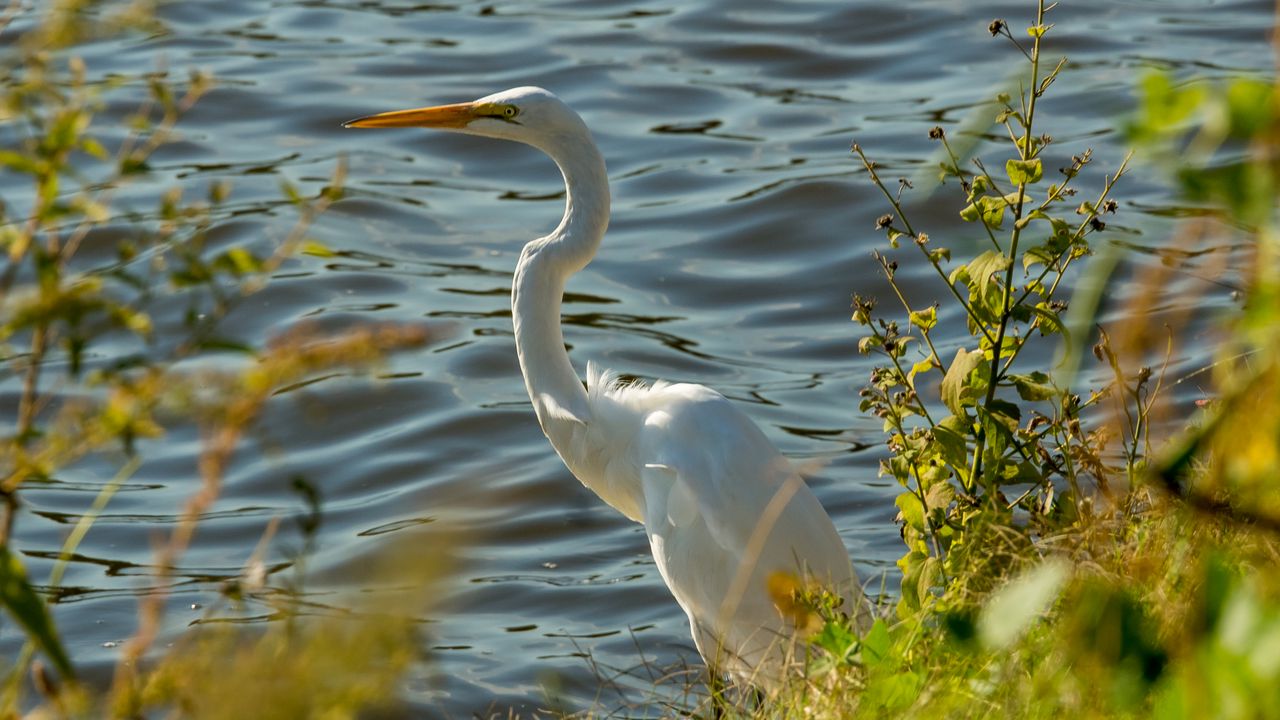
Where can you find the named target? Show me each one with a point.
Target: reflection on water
(741, 226)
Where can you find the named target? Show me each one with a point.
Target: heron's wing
(723, 511)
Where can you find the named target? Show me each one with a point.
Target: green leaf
(911, 510)
(988, 208)
(20, 163)
(923, 366)
(978, 186)
(239, 261)
(94, 148)
(1005, 412)
(1024, 172)
(957, 391)
(925, 319)
(1012, 608)
(875, 644)
(1034, 387)
(950, 435)
(1038, 255)
(22, 602)
(290, 192)
(982, 268)
(1047, 320)
(939, 496)
(318, 249)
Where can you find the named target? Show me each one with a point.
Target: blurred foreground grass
(1087, 552)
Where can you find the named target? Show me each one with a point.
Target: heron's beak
(440, 116)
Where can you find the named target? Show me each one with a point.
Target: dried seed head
(1110, 206)
(1144, 374)
(936, 133)
(884, 221)
(996, 27)
(1097, 224)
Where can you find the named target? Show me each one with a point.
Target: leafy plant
(995, 428)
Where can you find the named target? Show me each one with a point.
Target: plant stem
(1026, 152)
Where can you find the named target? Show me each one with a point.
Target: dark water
(741, 226)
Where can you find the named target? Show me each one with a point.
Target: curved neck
(545, 265)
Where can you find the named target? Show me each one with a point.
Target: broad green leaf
(1012, 608)
(977, 187)
(939, 496)
(957, 391)
(30, 611)
(875, 644)
(988, 208)
(982, 268)
(1034, 387)
(1047, 320)
(925, 319)
(1038, 255)
(1024, 172)
(911, 509)
(1250, 107)
(950, 435)
(1006, 412)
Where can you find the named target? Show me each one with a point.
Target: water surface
(741, 226)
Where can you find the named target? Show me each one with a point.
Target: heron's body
(722, 508)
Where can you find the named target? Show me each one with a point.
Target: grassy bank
(1068, 548)
(1075, 551)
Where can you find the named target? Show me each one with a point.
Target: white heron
(724, 511)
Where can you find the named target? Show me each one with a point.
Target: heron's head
(529, 115)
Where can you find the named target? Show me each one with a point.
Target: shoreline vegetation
(1068, 550)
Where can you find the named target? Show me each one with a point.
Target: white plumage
(722, 508)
